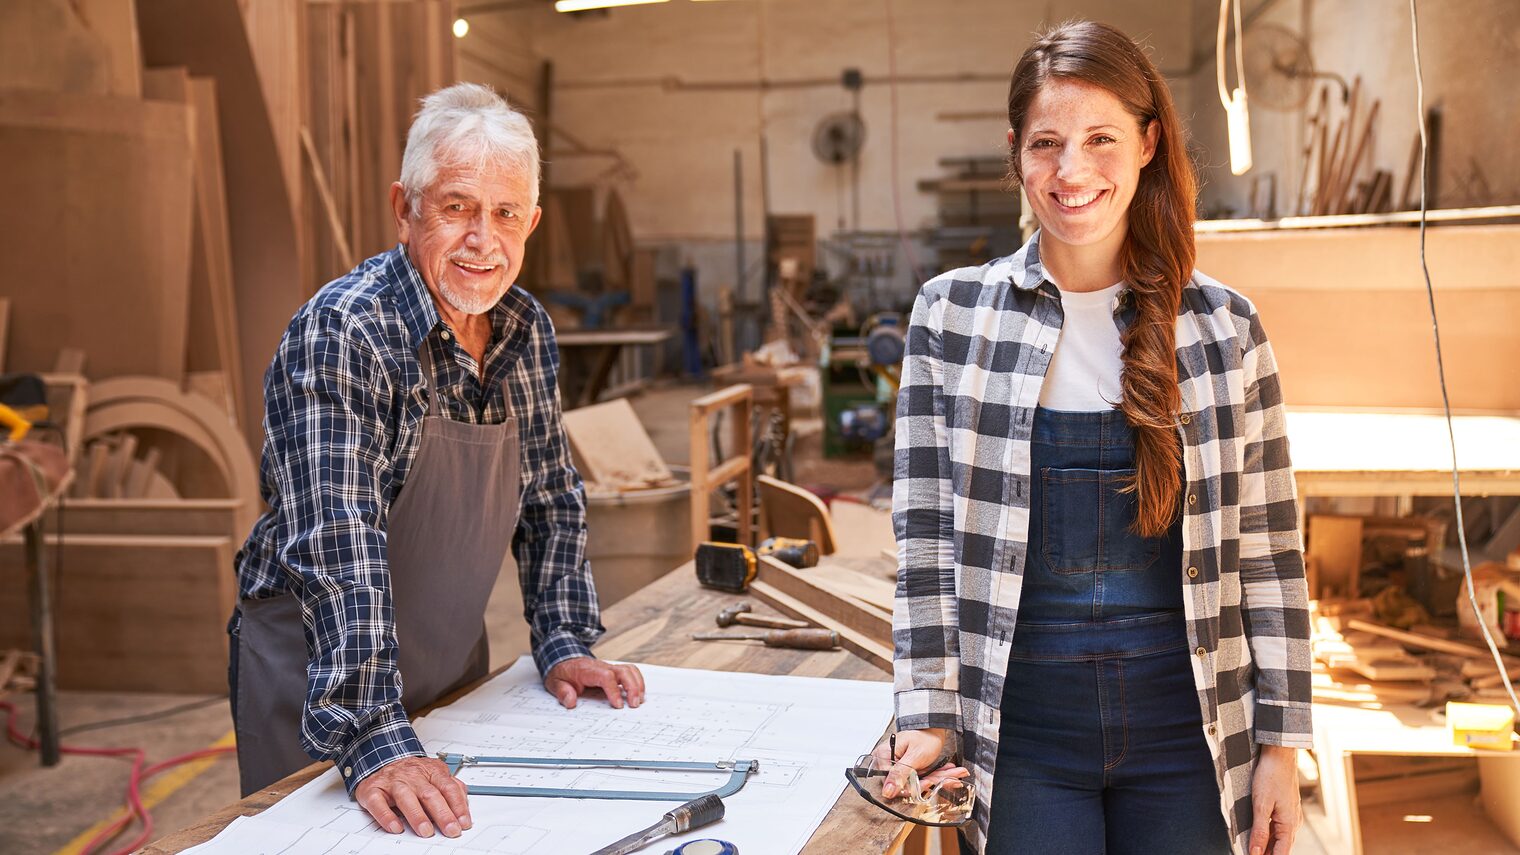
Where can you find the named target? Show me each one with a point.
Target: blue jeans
(1101, 748)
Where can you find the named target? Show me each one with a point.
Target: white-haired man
(413, 435)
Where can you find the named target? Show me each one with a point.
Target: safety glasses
(946, 803)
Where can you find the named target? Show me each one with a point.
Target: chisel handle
(802, 639)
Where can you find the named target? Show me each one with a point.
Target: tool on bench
(739, 613)
(708, 846)
(732, 566)
(738, 771)
(694, 814)
(796, 551)
(794, 639)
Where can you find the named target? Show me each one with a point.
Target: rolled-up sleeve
(329, 428)
(1274, 593)
(559, 598)
(926, 659)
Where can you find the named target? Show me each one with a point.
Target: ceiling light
(585, 5)
(461, 28)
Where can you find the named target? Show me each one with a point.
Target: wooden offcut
(787, 510)
(612, 449)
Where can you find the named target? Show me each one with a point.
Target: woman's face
(1081, 157)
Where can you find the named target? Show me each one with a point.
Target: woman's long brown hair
(1158, 253)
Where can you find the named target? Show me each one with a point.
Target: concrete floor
(44, 810)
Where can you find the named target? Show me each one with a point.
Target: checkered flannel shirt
(979, 345)
(344, 403)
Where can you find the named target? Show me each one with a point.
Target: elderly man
(413, 433)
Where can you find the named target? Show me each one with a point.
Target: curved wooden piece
(787, 510)
(149, 402)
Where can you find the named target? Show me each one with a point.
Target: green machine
(859, 376)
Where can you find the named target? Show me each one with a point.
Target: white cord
(1456, 474)
(1224, 16)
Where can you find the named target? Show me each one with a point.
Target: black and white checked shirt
(344, 403)
(979, 345)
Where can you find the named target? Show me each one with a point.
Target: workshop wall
(1462, 44)
(675, 90)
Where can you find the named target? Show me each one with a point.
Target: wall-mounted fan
(839, 137)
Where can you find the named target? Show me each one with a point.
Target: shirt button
(1201, 652)
(1192, 498)
(1192, 572)
(1213, 730)
(1186, 418)
(348, 771)
(446, 335)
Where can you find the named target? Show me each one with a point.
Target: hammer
(739, 613)
(795, 639)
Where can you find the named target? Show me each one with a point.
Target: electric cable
(143, 717)
(1435, 326)
(902, 234)
(135, 807)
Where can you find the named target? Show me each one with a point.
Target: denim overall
(1101, 747)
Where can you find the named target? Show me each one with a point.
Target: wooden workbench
(653, 626)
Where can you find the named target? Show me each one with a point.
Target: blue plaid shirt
(344, 404)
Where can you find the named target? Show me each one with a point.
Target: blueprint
(803, 731)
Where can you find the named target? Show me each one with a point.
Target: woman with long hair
(1101, 591)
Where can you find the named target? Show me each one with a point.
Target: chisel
(795, 639)
(694, 814)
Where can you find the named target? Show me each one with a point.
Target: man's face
(468, 234)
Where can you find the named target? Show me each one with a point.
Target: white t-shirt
(1084, 370)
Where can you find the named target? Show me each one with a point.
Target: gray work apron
(446, 537)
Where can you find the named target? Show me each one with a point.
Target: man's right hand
(421, 790)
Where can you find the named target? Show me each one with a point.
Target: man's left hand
(570, 679)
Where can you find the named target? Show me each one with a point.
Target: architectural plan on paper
(803, 731)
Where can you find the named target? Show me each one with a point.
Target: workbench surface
(654, 626)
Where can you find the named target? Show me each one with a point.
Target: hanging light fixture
(461, 28)
(587, 5)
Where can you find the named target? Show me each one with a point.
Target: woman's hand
(1274, 801)
(921, 750)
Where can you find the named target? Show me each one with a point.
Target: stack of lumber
(1361, 662)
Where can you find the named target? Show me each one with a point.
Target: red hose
(135, 807)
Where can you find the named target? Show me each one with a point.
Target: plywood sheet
(209, 37)
(45, 44)
(106, 228)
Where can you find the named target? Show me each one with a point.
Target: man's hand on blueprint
(422, 790)
(570, 679)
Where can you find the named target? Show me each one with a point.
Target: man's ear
(402, 210)
(538, 214)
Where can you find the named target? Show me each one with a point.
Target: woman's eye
(1103, 140)
(1042, 143)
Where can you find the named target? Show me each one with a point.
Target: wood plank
(1415, 639)
(214, 342)
(5, 327)
(209, 37)
(137, 613)
(151, 517)
(611, 447)
(117, 171)
(843, 608)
